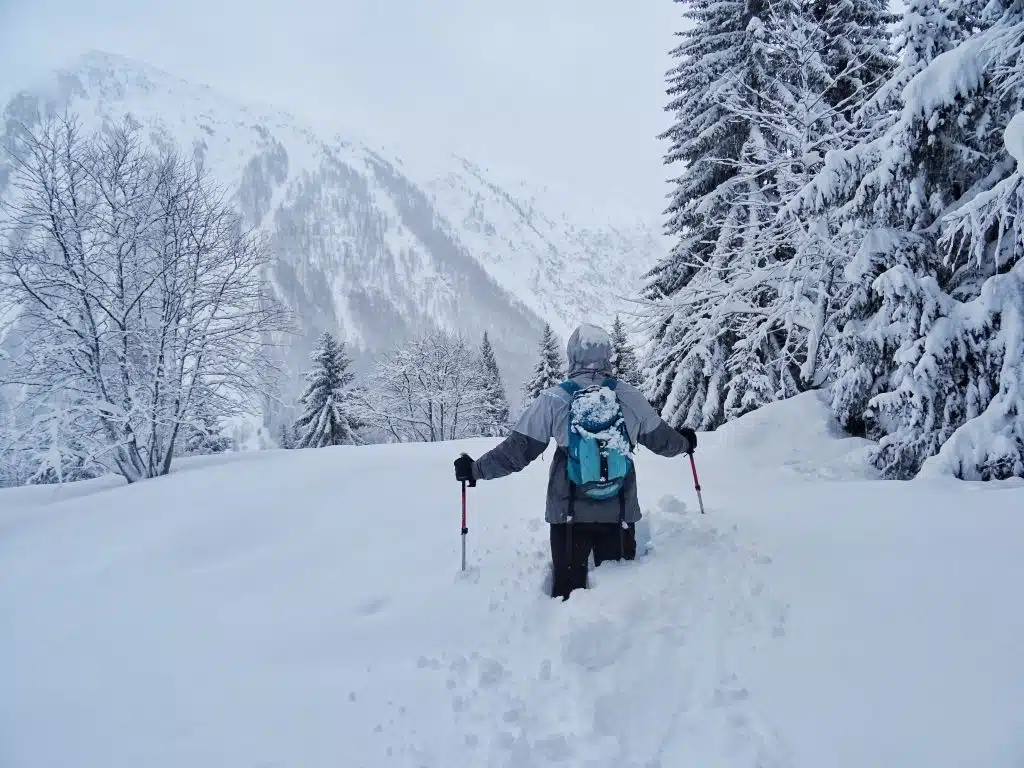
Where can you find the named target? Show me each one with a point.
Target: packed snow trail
(306, 608)
(576, 682)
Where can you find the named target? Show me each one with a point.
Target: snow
(597, 406)
(1013, 137)
(956, 73)
(305, 608)
(593, 410)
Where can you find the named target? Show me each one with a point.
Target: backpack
(600, 453)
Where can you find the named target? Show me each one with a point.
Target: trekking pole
(696, 484)
(465, 530)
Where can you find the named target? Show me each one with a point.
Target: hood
(589, 349)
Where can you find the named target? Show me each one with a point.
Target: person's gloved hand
(464, 470)
(691, 437)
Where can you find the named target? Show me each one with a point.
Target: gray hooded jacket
(589, 352)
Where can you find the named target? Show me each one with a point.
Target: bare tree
(426, 391)
(138, 288)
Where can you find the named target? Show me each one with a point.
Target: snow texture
(593, 414)
(1013, 137)
(740, 312)
(926, 352)
(301, 608)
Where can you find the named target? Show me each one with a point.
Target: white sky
(566, 92)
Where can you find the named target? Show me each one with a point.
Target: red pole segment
(696, 484)
(465, 530)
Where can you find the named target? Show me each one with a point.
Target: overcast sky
(569, 92)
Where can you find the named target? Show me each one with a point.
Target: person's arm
(666, 441)
(654, 432)
(512, 454)
(527, 441)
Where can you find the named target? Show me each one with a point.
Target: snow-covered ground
(305, 608)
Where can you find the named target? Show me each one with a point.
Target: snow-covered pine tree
(202, 434)
(286, 435)
(56, 447)
(923, 357)
(550, 369)
(832, 60)
(715, 211)
(327, 419)
(967, 381)
(857, 53)
(890, 190)
(626, 366)
(763, 90)
(496, 416)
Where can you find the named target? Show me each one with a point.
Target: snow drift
(306, 608)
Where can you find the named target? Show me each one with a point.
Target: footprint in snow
(671, 505)
(372, 607)
(599, 644)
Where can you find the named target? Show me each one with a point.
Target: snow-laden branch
(141, 297)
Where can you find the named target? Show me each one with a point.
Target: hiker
(600, 515)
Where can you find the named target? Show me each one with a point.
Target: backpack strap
(570, 386)
(571, 514)
(568, 531)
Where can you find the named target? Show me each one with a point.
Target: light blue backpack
(600, 454)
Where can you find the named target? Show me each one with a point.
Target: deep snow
(305, 608)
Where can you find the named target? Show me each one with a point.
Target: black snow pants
(571, 545)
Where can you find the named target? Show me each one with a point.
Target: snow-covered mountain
(372, 244)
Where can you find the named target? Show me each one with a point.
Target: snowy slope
(575, 263)
(305, 609)
(364, 246)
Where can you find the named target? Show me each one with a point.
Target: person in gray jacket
(579, 525)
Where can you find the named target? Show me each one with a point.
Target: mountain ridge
(375, 245)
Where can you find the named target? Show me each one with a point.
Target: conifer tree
(286, 435)
(737, 310)
(687, 363)
(831, 61)
(929, 209)
(857, 53)
(891, 186)
(203, 435)
(720, 210)
(626, 366)
(550, 369)
(327, 419)
(495, 415)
